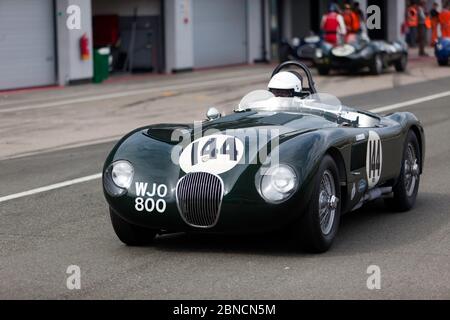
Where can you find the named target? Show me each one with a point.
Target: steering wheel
(311, 86)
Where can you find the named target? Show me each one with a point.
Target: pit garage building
(38, 49)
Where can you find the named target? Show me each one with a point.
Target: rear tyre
(405, 191)
(443, 62)
(323, 71)
(318, 226)
(400, 65)
(130, 234)
(376, 66)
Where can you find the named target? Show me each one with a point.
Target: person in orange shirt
(412, 21)
(352, 22)
(444, 19)
(349, 18)
(434, 16)
(359, 17)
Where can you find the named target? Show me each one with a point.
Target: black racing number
(229, 148)
(375, 158)
(210, 149)
(194, 153)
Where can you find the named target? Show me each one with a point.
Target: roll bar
(311, 88)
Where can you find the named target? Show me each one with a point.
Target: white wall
(254, 31)
(267, 32)
(179, 34)
(81, 69)
(395, 18)
(70, 65)
(126, 7)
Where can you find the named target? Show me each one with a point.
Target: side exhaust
(372, 195)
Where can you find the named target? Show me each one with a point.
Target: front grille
(199, 196)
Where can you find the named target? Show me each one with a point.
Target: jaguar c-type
(275, 163)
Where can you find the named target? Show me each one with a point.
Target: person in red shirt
(333, 25)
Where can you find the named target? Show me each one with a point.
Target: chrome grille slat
(208, 205)
(199, 197)
(205, 204)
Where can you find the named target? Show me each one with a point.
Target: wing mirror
(213, 114)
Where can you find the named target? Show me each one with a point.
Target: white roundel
(343, 51)
(374, 159)
(213, 154)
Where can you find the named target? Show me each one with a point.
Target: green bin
(101, 64)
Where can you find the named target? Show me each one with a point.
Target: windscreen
(265, 100)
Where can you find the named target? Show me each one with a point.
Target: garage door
(219, 32)
(27, 52)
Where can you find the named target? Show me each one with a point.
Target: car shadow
(375, 227)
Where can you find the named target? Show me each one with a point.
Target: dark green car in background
(360, 52)
(276, 163)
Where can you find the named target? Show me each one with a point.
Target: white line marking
(209, 83)
(51, 187)
(99, 175)
(411, 102)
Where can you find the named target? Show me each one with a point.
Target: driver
(286, 84)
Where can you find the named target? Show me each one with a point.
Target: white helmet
(286, 84)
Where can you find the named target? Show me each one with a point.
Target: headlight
(122, 174)
(319, 53)
(277, 183)
(439, 46)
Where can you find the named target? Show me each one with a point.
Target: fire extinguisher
(84, 47)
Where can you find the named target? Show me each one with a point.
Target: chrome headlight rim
(268, 173)
(109, 185)
(122, 167)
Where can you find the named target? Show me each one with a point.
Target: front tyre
(400, 65)
(318, 226)
(443, 62)
(405, 191)
(376, 66)
(130, 234)
(323, 71)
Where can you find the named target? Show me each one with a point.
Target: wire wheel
(327, 202)
(378, 64)
(411, 170)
